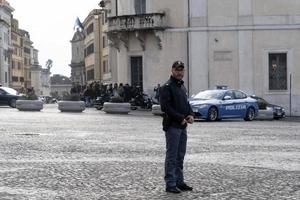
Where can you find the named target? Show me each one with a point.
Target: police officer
(177, 114)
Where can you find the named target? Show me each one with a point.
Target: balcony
(127, 23)
(120, 27)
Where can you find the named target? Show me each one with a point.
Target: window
(14, 37)
(90, 29)
(15, 79)
(230, 93)
(140, 6)
(19, 65)
(21, 79)
(277, 71)
(13, 64)
(239, 95)
(5, 77)
(26, 50)
(104, 41)
(105, 67)
(6, 55)
(89, 50)
(15, 52)
(6, 38)
(104, 18)
(90, 74)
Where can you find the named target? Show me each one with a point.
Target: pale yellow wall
(96, 58)
(156, 62)
(223, 59)
(222, 13)
(276, 7)
(276, 41)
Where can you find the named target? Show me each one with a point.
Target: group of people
(95, 89)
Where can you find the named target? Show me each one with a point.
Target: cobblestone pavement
(93, 155)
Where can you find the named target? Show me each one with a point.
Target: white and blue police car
(218, 104)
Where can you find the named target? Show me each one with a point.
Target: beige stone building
(6, 48)
(147, 36)
(252, 45)
(93, 46)
(17, 63)
(27, 56)
(105, 50)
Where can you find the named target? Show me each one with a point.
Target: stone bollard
(156, 110)
(29, 105)
(116, 108)
(71, 106)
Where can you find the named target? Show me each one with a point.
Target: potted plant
(29, 102)
(116, 106)
(71, 103)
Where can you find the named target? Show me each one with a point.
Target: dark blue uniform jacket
(174, 103)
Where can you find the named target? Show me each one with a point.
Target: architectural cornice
(236, 28)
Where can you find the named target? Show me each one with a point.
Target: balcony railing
(152, 21)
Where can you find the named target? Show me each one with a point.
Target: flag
(78, 24)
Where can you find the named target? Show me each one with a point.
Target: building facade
(105, 50)
(60, 86)
(27, 56)
(148, 36)
(17, 64)
(40, 77)
(6, 48)
(78, 72)
(252, 45)
(92, 45)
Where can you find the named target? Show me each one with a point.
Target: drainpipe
(188, 49)
(116, 8)
(290, 94)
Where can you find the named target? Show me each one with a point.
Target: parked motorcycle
(98, 103)
(141, 100)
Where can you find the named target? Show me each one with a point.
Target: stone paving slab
(93, 155)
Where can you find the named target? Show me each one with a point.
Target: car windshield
(10, 90)
(209, 94)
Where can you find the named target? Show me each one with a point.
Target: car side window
(229, 93)
(262, 104)
(2, 91)
(239, 95)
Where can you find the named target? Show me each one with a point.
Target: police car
(217, 104)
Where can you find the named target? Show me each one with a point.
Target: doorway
(136, 63)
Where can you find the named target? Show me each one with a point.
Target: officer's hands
(189, 119)
(184, 121)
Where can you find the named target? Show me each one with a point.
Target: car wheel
(13, 103)
(277, 117)
(212, 114)
(250, 114)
